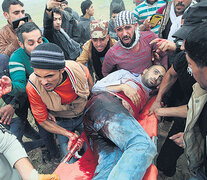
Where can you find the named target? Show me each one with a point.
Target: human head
(180, 6)
(152, 76)
(29, 36)
(127, 29)
(151, 1)
(87, 8)
(195, 48)
(116, 8)
(193, 17)
(99, 34)
(64, 4)
(48, 62)
(13, 10)
(57, 18)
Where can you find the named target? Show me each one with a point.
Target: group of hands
(7, 112)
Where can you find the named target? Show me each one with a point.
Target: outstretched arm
(180, 111)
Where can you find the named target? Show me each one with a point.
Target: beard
(180, 12)
(134, 40)
(128, 44)
(26, 51)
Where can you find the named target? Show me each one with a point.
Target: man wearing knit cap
(133, 51)
(95, 49)
(58, 93)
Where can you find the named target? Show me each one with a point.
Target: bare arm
(180, 111)
(24, 167)
(52, 127)
(167, 82)
(130, 92)
(51, 4)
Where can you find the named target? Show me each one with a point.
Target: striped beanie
(47, 56)
(124, 18)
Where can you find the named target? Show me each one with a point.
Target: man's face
(49, 79)
(31, 40)
(90, 10)
(126, 33)
(15, 12)
(100, 43)
(152, 76)
(63, 6)
(199, 73)
(57, 21)
(180, 6)
(114, 15)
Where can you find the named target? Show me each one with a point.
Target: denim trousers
(20, 127)
(123, 148)
(71, 124)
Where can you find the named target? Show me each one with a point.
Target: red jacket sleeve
(39, 109)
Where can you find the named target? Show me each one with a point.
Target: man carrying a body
(133, 51)
(123, 148)
(58, 93)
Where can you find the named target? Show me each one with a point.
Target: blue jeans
(123, 148)
(71, 124)
(18, 128)
(200, 175)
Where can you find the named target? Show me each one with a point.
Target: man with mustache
(58, 92)
(133, 51)
(123, 148)
(173, 12)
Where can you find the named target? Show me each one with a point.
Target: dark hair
(65, 2)
(28, 15)
(85, 5)
(7, 3)
(68, 9)
(117, 8)
(196, 44)
(26, 27)
(157, 65)
(56, 11)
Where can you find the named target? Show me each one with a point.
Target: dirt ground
(163, 128)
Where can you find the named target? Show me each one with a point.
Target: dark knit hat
(47, 56)
(124, 18)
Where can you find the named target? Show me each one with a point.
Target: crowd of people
(81, 74)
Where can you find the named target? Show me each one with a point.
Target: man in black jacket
(68, 21)
(55, 34)
(85, 20)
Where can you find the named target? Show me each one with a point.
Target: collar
(198, 91)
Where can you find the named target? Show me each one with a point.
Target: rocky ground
(181, 173)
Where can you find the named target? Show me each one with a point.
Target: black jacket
(70, 47)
